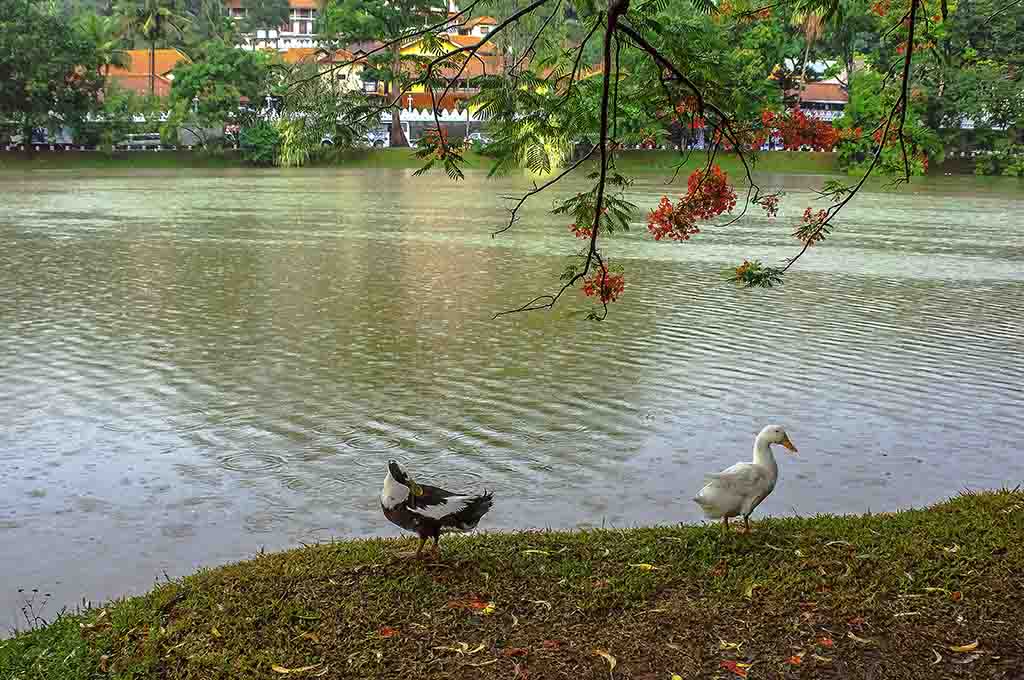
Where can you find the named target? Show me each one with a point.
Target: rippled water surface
(195, 366)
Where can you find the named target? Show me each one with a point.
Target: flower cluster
(580, 232)
(813, 229)
(770, 204)
(797, 130)
(605, 285)
(707, 196)
(672, 221)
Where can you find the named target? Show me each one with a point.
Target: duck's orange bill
(788, 444)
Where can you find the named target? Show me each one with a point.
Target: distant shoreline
(633, 162)
(913, 594)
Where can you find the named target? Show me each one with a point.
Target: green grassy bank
(931, 593)
(630, 162)
(99, 160)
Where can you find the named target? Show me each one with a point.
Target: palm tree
(152, 21)
(105, 34)
(812, 25)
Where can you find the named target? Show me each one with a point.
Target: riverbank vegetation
(913, 594)
(641, 162)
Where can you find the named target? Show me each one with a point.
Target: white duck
(739, 489)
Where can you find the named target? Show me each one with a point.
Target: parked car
(145, 140)
(378, 138)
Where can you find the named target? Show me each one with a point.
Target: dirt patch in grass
(931, 593)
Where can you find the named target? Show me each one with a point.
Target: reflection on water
(196, 366)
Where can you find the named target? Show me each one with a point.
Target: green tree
(50, 71)
(265, 15)
(105, 35)
(811, 26)
(211, 22)
(208, 93)
(153, 21)
(386, 20)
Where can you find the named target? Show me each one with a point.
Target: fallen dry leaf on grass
(515, 651)
(722, 644)
(956, 596)
(612, 661)
(964, 648)
(285, 671)
(826, 642)
(645, 567)
(387, 632)
(551, 644)
(856, 621)
(103, 663)
(748, 592)
(863, 641)
(736, 667)
(795, 660)
(474, 604)
(462, 648)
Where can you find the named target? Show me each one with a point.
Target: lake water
(194, 366)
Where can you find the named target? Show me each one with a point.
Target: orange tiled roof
(138, 62)
(339, 56)
(822, 92)
(485, 21)
(297, 4)
(139, 83)
(471, 40)
(422, 100)
(301, 55)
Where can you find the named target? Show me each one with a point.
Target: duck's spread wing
(456, 511)
(426, 496)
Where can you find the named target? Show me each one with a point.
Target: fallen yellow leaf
(675, 676)
(285, 671)
(749, 592)
(964, 648)
(612, 661)
(645, 567)
(216, 633)
(489, 609)
(863, 641)
(536, 552)
(722, 644)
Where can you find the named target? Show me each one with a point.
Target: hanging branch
(615, 10)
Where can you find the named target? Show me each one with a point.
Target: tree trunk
(152, 68)
(803, 74)
(26, 138)
(397, 134)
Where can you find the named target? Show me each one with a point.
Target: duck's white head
(396, 486)
(774, 434)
